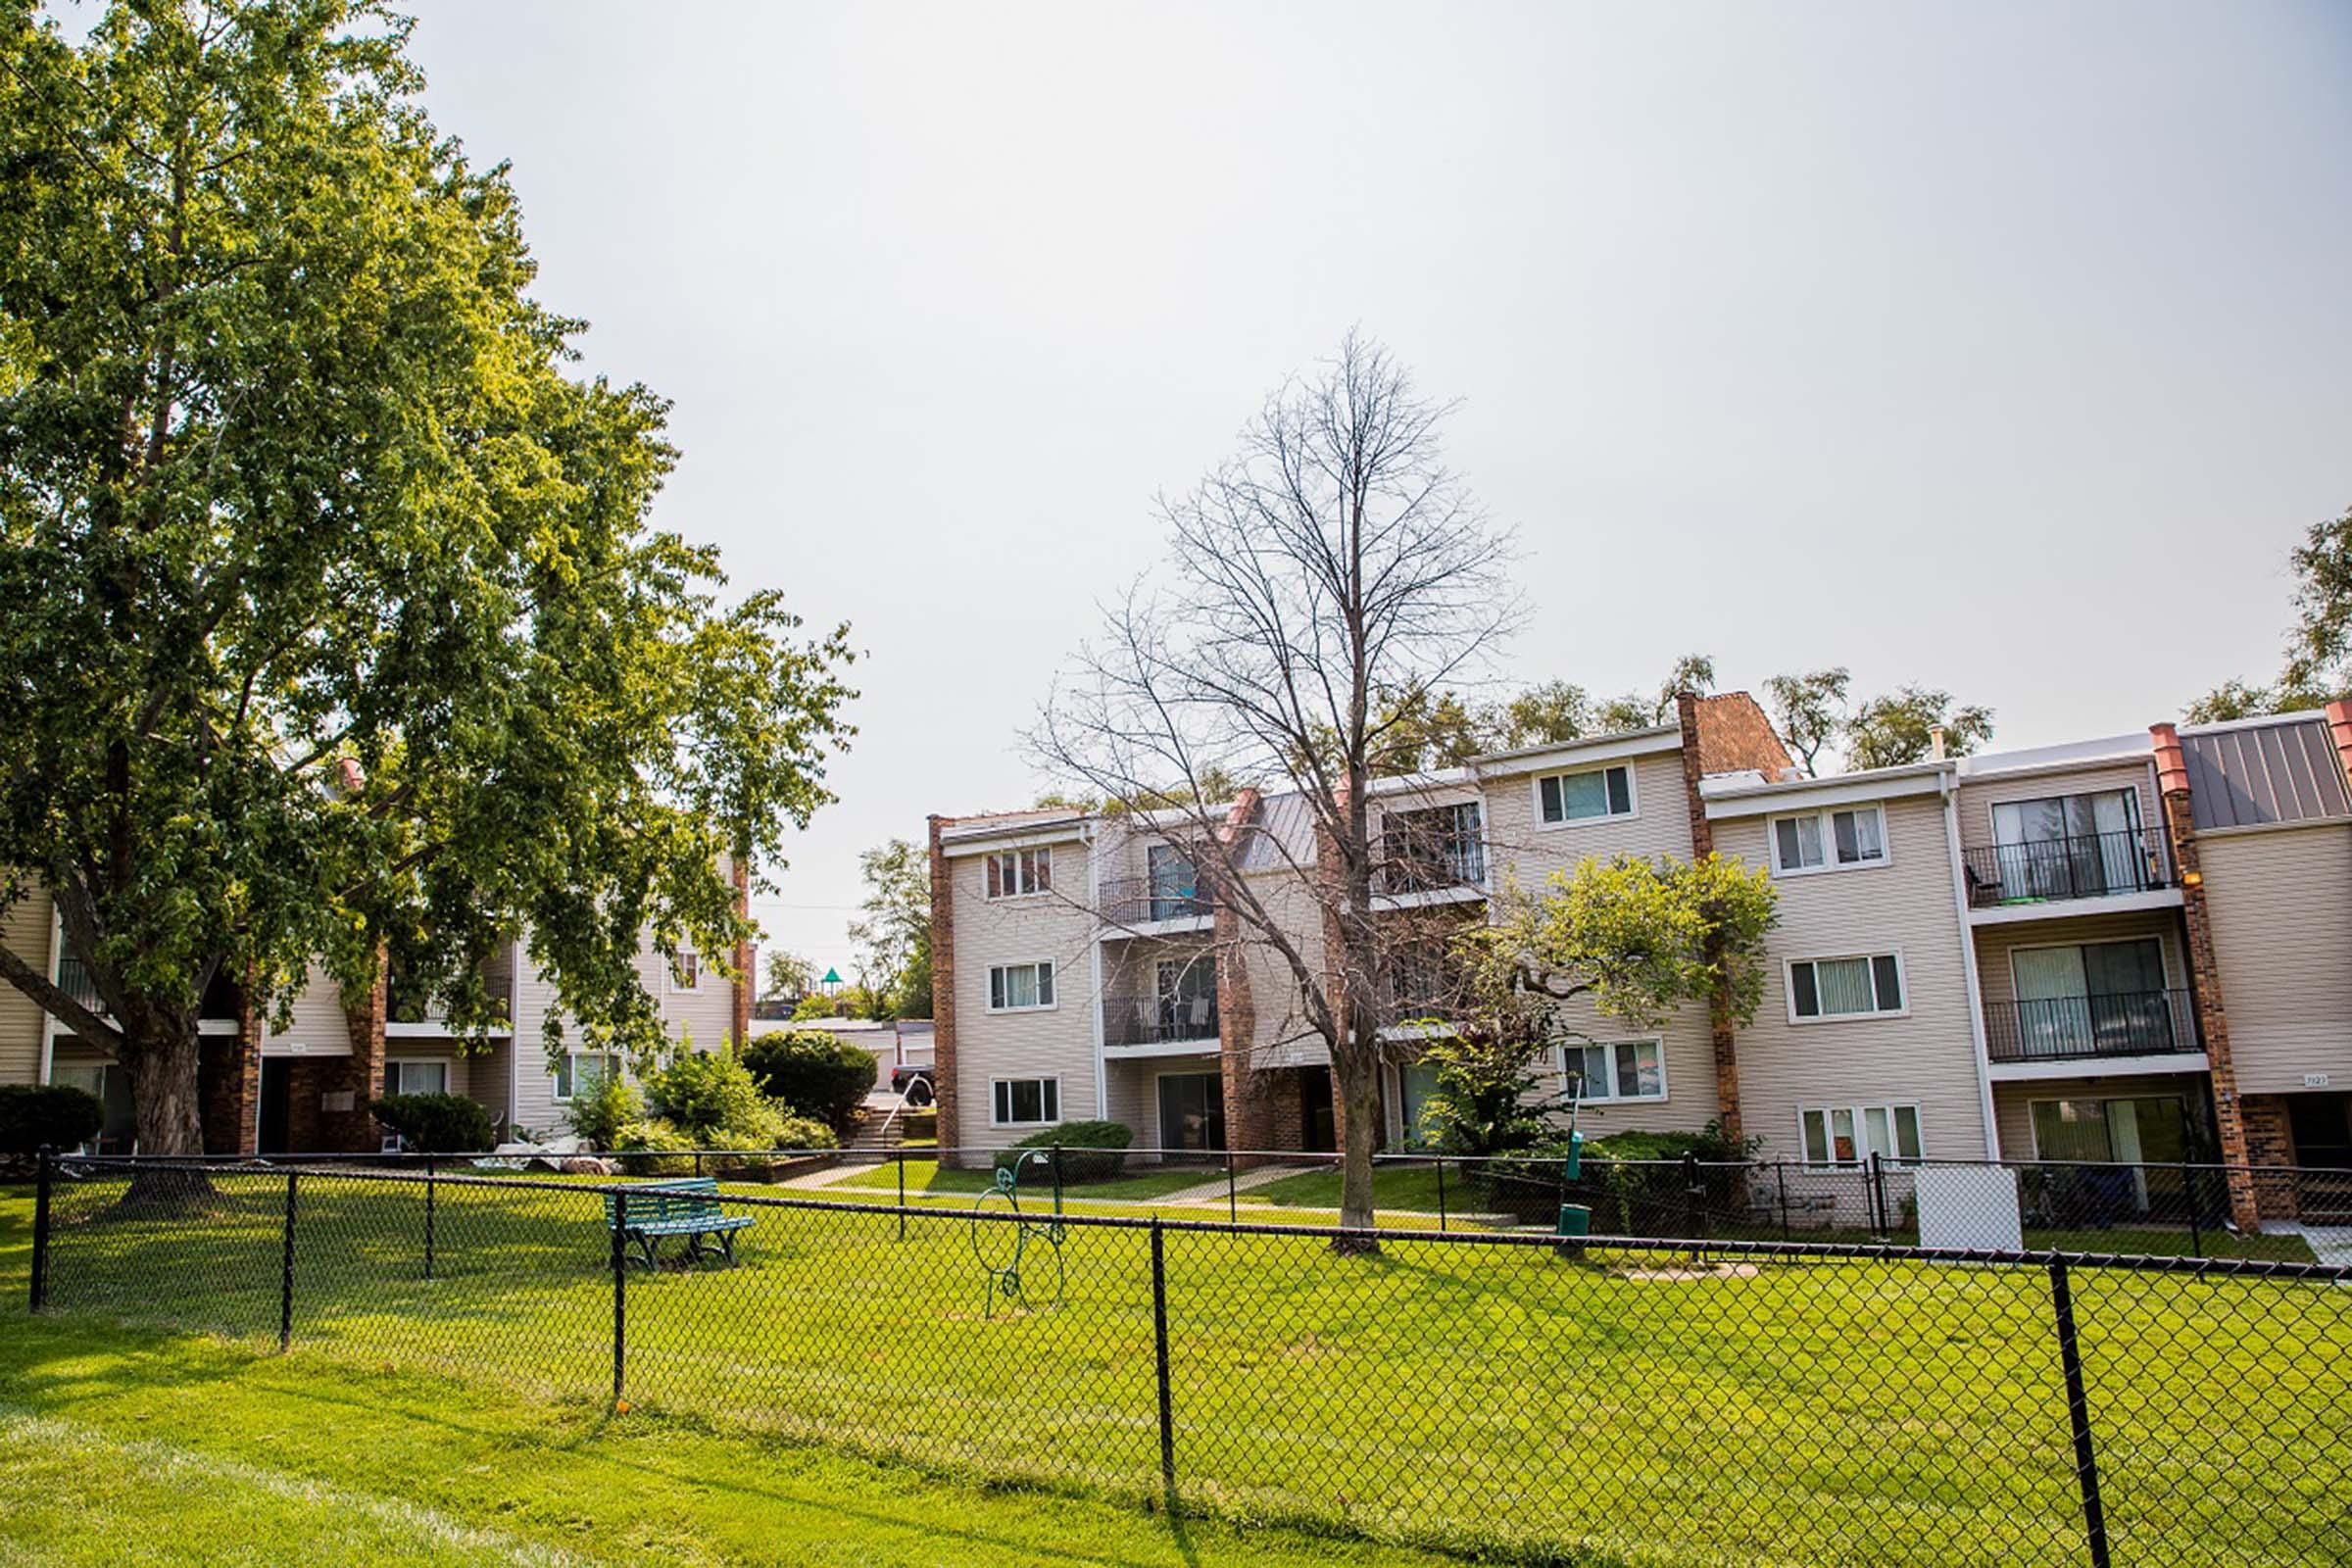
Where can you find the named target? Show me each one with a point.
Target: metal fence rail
(1690, 1399)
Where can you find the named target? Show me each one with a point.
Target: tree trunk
(161, 1059)
(1359, 1095)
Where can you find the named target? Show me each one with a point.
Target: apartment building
(2133, 948)
(306, 1087)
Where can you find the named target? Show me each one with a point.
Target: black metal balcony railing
(2088, 865)
(1415, 863)
(2131, 1023)
(74, 981)
(221, 998)
(1158, 1020)
(1140, 899)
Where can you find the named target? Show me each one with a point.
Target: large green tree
(332, 621)
(2318, 669)
(894, 940)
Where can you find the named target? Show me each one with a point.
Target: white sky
(2003, 348)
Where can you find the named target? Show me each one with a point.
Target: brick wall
(1732, 729)
(2270, 1141)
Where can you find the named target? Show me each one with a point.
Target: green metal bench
(686, 1207)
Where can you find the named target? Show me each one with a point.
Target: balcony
(1406, 863)
(2131, 1023)
(2089, 866)
(222, 1001)
(1131, 1020)
(1142, 899)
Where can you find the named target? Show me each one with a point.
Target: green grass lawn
(927, 1179)
(1505, 1401)
(1397, 1186)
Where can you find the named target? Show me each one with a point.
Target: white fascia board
(1011, 839)
(2183, 1061)
(1578, 753)
(1846, 789)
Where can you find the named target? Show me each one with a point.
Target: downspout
(516, 952)
(1949, 786)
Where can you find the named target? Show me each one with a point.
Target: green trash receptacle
(1575, 1220)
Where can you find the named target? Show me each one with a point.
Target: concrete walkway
(2331, 1244)
(1214, 1192)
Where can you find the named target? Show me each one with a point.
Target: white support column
(1968, 961)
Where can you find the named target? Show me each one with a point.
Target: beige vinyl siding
(2013, 1102)
(1049, 1042)
(1127, 1092)
(1980, 797)
(1927, 1057)
(317, 1025)
(2280, 904)
(1519, 845)
(1280, 1035)
(1996, 942)
(25, 929)
(1684, 1051)
(534, 1103)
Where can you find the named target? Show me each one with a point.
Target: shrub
(1090, 1150)
(598, 1112)
(441, 1124)
(813, 1072)
(704, 1095)
(56, 1114)
(644, 1149)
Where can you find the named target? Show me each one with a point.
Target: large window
(1192, 1111)
(1847, 1135)
(1829, 841)
(1434, 847)
(415, 1077)
(2071, 846)
(1018, 873)
(1859, 987)
(2096, 998)
(1175, 883)
(1563, 797)
(1187, 996)
(111, 1086)
(578, 1072)
(1025, 1102)
(1622, 1069)
(1019, 986)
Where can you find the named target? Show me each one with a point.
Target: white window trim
(1829, 841)
(1665, 1088)
(1060, 1100)
(554, 1080)
(1535, 793)
(1040, 1007)
(1902, 978)
(448, 1066)
(1044, 854)
(1858, 1107)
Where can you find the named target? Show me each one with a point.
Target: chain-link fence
(1538, 1397)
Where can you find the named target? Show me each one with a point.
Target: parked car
(914, 1083)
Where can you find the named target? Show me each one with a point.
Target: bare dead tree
(1334, 558)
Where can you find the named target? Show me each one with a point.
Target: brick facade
(1731, 741)
(943, 996)
(228, 1085)
(2271, 1141)
(347, 1125)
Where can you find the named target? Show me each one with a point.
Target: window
(1624, 1069)
(1829, 841)
(1583, 796)
(578, 1072)
(1847, 1135)
(1014, 987)
(2072, 846)
(1845, 987)
(1018, 873)
(1025, 1102)
(1175, 883)
(415, 1077)
(686, 971)
(1437, 847)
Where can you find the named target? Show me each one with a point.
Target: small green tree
(1637, 938)
(1810, 709)
(894, 937)
(1900, 727)
(2319, 650)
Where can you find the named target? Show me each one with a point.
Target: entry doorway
(273, 1094)
(1318, 1132)
(1192, 1111)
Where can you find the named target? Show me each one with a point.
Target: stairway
(878, 1132)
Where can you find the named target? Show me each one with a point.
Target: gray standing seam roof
(2282, 773)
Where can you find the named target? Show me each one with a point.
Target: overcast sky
(2001, 348)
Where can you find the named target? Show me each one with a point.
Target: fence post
(902, 1191)
(2077, 1411)
(1056, 1178)
(1159, 1345)
(2197, 1222)
(698, 1162)
(1441, 1194)
(1232, 1207)
(1780, 1176)
(40, 1227)
(620, 1291)
(1692, 1223)
(285, 1284)
(430, 1163)
(1877, 1195)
